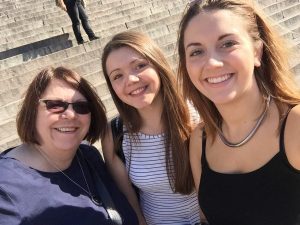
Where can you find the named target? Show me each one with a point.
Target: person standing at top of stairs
(76, 11)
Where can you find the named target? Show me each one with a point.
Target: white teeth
(215, 80)
(66, 129)
(137, 91)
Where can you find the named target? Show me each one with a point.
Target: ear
(258, 50)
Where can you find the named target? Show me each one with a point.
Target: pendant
(96, 201)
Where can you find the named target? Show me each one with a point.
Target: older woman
(52, 178)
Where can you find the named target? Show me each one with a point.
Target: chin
(141, 105)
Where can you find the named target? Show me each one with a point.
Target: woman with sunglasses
(52, 178)
(245, 155)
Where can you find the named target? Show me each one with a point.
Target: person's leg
(73, 13)
(85, 22)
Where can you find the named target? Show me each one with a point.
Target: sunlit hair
(26, 118)
(175, 115)
(273, 76)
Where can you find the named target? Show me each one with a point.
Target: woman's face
(61, 131)
(133, 78)
(221, 56)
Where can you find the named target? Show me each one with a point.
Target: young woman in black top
(234, 68)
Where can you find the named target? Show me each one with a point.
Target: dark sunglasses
(58, 106)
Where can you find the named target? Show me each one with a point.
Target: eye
(141, 65)
(196, 52)
(229, 44)
(116, 76)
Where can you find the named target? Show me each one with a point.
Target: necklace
(251, 133)
(93, 198)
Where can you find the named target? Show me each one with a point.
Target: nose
(213, 60)
(69, 113)
(132, 78)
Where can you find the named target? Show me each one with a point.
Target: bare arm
(195, 155)
(291, 137)
(195, 159)
(118, 170)
(61, 4)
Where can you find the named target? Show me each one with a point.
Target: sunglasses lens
(81, 107)
(56, 106)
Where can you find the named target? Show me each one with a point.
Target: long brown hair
(26, 118)
(273, 77)
(175, 115)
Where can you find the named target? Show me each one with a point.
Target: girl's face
(221, 56)
(133, 78)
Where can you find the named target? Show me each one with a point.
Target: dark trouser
(76, 11)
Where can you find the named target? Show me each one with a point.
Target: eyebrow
(132, 62)
(199, 44)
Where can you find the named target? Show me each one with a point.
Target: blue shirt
(32, 197)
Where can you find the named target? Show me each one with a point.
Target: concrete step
(18, 59)
(95, 76)
(277, 6)
(138, 21)
(24, 5)
(286, 12)
(10, 142)
(101, 8)
(167, 41)
(175, 25)
(41, 32)
(22, 45)
(19, 25)
(14, 63)
(266, 2)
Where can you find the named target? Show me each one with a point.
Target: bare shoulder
(197, 131)
(196, 153)
(293, 123)
(292, 137)
(196, 138)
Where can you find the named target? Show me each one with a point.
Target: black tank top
(269, 195)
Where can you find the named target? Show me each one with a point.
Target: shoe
(80, 42)
(94, 38)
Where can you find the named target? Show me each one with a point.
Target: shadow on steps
(39, 48)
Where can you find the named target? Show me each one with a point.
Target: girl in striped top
(156, 130)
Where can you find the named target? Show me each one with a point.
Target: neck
(152, 118)
(51, 161)
(240, 117)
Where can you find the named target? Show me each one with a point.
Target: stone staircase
(35, 34)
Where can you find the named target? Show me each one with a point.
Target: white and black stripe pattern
(148, 172)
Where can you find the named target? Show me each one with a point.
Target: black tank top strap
(203, 155)
(282, 129)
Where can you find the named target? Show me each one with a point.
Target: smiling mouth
(66, 129)
(216, 80)
(138, 91)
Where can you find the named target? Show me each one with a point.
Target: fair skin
(137, 83)
(59, 134)
(62, 5)
(220, 65)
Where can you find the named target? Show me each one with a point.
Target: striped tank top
(146, 166)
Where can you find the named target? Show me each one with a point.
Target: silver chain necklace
(251, 133)
(93, 198)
